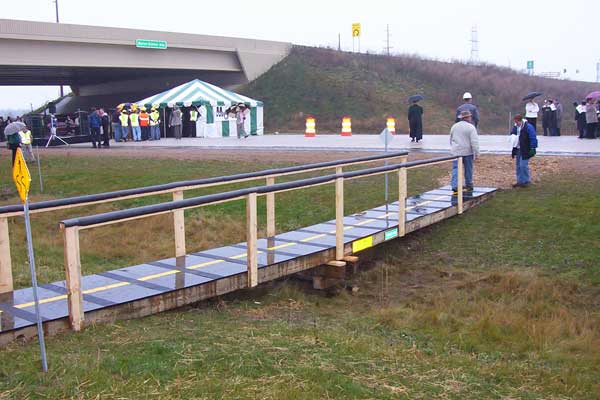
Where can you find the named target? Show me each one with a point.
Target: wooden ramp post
(73, 274)
(6, 278)
(339, 215)
(251, 238)
(402, 202)
(460, 183)
(270, 209)
(179, 226)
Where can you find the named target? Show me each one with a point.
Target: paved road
(495, 144)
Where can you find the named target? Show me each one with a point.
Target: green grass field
(499, 303)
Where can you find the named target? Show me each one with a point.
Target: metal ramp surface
(154, 279)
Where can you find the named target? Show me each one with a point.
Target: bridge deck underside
(152, 279)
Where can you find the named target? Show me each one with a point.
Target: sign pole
(34, 285)
(22, 179)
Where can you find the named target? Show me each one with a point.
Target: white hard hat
(467, 95)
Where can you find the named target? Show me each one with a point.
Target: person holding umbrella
(240, 119)
(13, 139)
(415, 118)
(532, 109)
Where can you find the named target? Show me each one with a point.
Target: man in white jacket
(531, 113)
(464, 142)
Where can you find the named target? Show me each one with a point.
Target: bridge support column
(459, 186)
(339, 216)
(73, 275)
(251, 238)
(179, 226)
(270, 209)
(402, 202)
(6, 278)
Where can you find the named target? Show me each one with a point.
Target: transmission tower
(387, 46)
(598, 72)
(474, 44)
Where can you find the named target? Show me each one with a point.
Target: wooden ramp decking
(152, 287)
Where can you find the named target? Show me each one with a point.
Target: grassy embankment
(330, 84)
(501, 302)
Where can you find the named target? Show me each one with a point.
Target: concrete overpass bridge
(103, 65)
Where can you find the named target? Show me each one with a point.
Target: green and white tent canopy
(197, 93)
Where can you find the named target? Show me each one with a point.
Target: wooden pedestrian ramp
(155, 286)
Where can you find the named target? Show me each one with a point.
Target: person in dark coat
(105, 119)
(95, 123)
(553, 119)
(524, 142)
(2, 126)
(415, 122)
(546, 118)
(580, 118)
(591, 119)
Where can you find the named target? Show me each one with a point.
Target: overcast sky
(555, 34)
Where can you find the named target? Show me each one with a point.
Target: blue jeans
(154, 132)
(136, 132)
(468, 168)
(117, 130)
(522, 168)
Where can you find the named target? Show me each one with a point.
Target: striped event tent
(215, 101)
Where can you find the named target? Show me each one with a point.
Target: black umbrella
(532, 95)
(14, 127)
(415, 98)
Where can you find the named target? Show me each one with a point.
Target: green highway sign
(150, 44)
(529, 64)
(392, 233)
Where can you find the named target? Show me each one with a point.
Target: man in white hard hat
(470, 107)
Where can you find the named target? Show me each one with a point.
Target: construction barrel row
(311, 126)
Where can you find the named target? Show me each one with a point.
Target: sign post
(22, 180)
(356, 34)
(530, 67)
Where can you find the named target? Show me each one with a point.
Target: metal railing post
(270, 209)
(339, 215)
(179, 226)
(6, 278)
(402, 190)
(73, 275)
(459, 186)
(251, 238)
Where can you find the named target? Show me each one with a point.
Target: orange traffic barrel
(391, 125)
(346, 126)
(311, 127)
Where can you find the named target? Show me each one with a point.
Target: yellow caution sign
(362, 244)
(356, 29)
(21, 176)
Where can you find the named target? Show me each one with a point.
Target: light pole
(62, 93)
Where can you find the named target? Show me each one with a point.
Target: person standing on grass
(591, 120)
(531, 113)
(415, 122)
(464, 143)
(470, 107)
(95, 123)
(175, 121)
(26, 141)
(524, 144)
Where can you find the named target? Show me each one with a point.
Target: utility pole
(387, 40)
(339, 42)
(598, 72)
(474, 45)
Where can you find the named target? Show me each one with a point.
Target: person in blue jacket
(524, 143)
(95, 123)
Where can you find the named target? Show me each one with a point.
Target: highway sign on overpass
(150, 44)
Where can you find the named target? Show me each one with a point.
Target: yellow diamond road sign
(21, 175)
(356, 30)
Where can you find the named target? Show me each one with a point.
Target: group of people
(464, 142)
(586, 116)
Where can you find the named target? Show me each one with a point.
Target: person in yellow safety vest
(136, 132)
(124, 118)
(193, 119)
(154, 124)
(26, 141)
